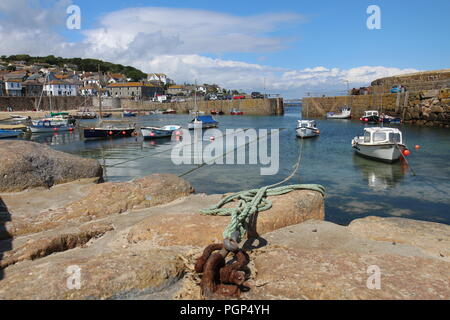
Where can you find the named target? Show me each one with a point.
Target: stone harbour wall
(57, 103)
(428, 107)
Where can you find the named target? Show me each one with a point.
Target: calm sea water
(356, 187)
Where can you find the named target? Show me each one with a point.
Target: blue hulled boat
(4, 134)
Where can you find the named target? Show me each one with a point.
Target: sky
(287, 47)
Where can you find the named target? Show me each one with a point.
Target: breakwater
(427, 108)
(254, 107)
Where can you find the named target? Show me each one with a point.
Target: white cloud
(176, 42)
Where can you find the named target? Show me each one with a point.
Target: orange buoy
(406, 152)
(417, 147)
(110, 133)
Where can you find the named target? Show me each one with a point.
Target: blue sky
(297, 46)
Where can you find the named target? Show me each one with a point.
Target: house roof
(60, 82)
(177, 86)
(131, 84)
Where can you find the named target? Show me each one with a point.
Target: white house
(13, 88)
(60, 88)
(159, 77)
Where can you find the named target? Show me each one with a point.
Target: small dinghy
(203, 122)
(384, 144)
(128, 114)
(5, 134)
(16, 117)
(169, 111)
(162, 132)
(307, 129)
(85, 115)
(390, 120)
(346, 113)
(236, 112)
(370, 117)
(45, 126)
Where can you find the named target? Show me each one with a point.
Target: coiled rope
(254, 201)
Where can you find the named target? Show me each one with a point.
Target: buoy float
(406, 152)
(318, 131)
(417, 147)
(124, 133)
(110, 133)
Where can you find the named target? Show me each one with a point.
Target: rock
(102, 200)
(41, 247)
(26, 165)
(430, 94)
(432, 238)
(108, 275)
(333, 263)
(194, 229)
(437, 109)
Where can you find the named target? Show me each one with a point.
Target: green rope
(251, 202)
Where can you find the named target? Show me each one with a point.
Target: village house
(88, 91)
(137, 90)
(116, 78)
(13, 87)
(60, 88)
(177, 90)
(32, 88)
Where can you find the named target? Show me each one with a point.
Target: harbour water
(355, 187)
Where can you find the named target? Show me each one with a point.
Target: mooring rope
(252, 202)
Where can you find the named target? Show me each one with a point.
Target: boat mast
(99, 96)
(195, 98)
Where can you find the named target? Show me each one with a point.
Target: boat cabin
(306, 124)
(382, 136)
(371, 113)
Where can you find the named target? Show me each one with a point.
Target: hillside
(79, 64)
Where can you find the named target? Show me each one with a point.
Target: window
(367, 137)
(395, 137)
(379, 136)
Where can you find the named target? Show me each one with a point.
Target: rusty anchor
(220, 279)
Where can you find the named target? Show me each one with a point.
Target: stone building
(137, 90)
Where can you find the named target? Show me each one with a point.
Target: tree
(11, 68)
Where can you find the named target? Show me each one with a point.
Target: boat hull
(5, 134)
(384, 152)
(202, 125)
(47, 129)
(306, 133)
(156, 133)
(96, 133)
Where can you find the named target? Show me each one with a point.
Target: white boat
(43, 126)
(192, 112)
(346, 113)
(159, 132)
(203, 122)
(384, 144)
(19, 118)
(307, 129)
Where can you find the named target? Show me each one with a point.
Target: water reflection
(380, 176)
(53, 138)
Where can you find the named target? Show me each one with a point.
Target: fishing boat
(159, 132)
(371, 116)
(307, 129)
(128, 114)
(85, 115)
(45, 126)
(390, 120)
(203, 122)
(61, 117)
(384, 144)
(215, 112)
(169, 111)
(235, 112)
(4, 134)
(109, 131)
(156, 112)
(16, 117)
(346, 113)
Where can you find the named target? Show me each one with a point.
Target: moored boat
(307, 129)
(215, 112)
(371, 116)
(346, 113)
(390, 120)
(128, 114)
(85, 115)
(384, 144)
(203, 122)
(4, 134)
(235, 112)
(44, 126)
(159, 132)
(169, 111)
(105, 132)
